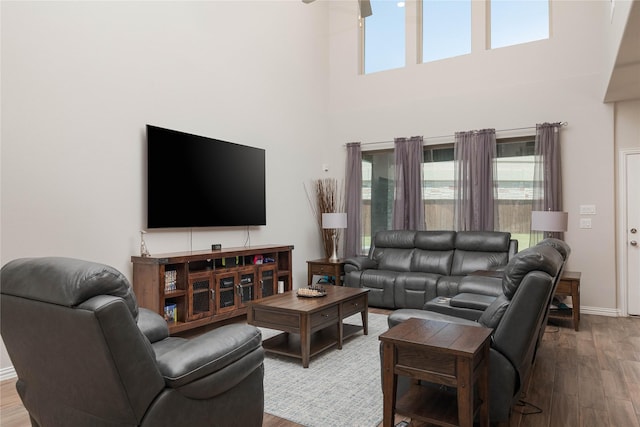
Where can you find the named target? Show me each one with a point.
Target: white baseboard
(599, 311)
(7, 373)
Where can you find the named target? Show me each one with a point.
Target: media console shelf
(197, 288)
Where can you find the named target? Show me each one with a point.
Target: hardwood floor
(581, 379)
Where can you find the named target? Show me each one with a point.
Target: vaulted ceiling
(625, 79)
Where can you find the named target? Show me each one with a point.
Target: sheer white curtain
(353, 200)
(408, 206)
(475, 189)
(547, 179)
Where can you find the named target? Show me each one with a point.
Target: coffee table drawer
(353, 306)
(277, 320)
(328, 315)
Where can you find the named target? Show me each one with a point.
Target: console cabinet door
(226, 291)
(246, 286)
(200, 296)
(267, 280)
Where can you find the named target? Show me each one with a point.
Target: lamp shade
(334, 220)
(549, 220)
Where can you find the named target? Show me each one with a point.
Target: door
(632, 230)
(246, 286)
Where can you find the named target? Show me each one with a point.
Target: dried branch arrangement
(328, 200)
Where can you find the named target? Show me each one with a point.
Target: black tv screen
(195, 181)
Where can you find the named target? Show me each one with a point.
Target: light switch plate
(587, 209)
(585, 222)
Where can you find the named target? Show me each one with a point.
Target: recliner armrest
(359, 263)
(472, 301)
(152, 325)
(481, 285)
(211, 352)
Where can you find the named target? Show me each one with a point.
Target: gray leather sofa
(517, 316)
(86, 355)
(406, 269)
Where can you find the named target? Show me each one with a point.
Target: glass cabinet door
(267, 280)
(200, 296)
(246, 286)
(226, 291)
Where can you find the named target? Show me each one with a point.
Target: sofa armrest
(359, 263)
(482, 285)
(208, 353)
(472, 301)
(152, 325)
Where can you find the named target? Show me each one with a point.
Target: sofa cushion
(480, 250)
(431, 261)
(412, 290)
(395, 239)
(448, 286)
(483, 241)
(393, 259)
(380, 284)
(435, 240)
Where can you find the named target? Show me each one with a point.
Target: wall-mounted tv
(195, 181)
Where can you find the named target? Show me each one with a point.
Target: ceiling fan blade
(365, 8)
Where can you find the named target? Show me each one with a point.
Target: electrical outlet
(585, 222)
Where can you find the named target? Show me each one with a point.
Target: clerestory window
(518, 21)
(444, 29)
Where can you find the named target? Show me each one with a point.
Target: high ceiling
(625, 79)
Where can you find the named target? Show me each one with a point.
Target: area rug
(339, 388)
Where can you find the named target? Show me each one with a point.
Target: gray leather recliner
(517, 317)
(86, 355)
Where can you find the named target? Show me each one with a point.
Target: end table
(440, 353)
(324, 267)
(569, 285)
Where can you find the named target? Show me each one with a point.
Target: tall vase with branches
(328, 199)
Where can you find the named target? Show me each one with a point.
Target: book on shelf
(171, 313)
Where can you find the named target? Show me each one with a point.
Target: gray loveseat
(406, 269)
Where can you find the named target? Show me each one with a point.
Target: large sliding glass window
(514, 182)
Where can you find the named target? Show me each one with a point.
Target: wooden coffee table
(309, 325)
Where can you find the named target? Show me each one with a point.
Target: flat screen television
(195, 181)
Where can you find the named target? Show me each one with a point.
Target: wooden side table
(441, 353)
(569, 285)
(324, 267)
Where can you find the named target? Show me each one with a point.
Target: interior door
(632, 256)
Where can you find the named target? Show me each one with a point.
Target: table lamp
(334, 221)
(549, 221)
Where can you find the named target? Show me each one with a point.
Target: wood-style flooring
(581, 379)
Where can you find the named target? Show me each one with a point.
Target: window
(515, 165)
(446, 29)
(438, 187)
(378, 183)
(518, 21)
(384, 36)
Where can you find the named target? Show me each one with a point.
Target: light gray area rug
(339, 388)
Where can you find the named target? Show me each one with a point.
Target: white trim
(621, 229)
(7, 373)
(601, 311)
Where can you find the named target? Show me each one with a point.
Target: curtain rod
(563, 124)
